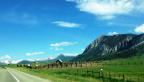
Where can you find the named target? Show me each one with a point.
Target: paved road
(11, 75)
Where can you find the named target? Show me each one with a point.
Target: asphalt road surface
(11, 75)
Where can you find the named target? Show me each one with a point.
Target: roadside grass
(59, 75)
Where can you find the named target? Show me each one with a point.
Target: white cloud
(5, 61)
(43, 59)
(23, 18)
(140, 6)
(5, 57)
(62, 44)
(16, 61)
(66, 24)
(139, 29)
(70, 0)
(122, 24)
(34, 53)
(82, 49)
(108, 9)
(112, 33)
(58, 46)
(50, 57)
(70, 54)
(8, 59)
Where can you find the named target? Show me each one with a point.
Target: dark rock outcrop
(116, 46)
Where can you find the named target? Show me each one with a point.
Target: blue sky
(38, 29)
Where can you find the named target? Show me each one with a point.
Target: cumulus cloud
(16, 61)
(66, 24)
(139, 29)
(112, 33)
(5, 61)
(108, 9)
(58, 46)
(8, 59)
(34, 53)
(5, 57)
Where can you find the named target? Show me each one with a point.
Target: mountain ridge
(109, 47)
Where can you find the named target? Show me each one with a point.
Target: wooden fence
(62, 65)
(111, 77)
(104, 76)
(79, 64)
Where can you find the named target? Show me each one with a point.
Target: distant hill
(61, 57)
(64, 58)
(25, 62)
(2, 63)
(116, 46)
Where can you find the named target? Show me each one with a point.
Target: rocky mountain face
(116, 46)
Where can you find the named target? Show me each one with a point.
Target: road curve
(11, 75)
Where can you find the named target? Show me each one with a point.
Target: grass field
(132, 68)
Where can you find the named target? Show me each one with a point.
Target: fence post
(52, 65)
(102, 75)
(57, 65)
(99, 75)
(107, 80)
(48, 66)
(77, 71)
(87, 73)
(109, 76)
(76, 64)
(123, 78)
(86, 64)
(91, 64)
(71, 64)
(92, 74)
(138, 79)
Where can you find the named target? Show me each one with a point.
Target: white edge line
(14, 77)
